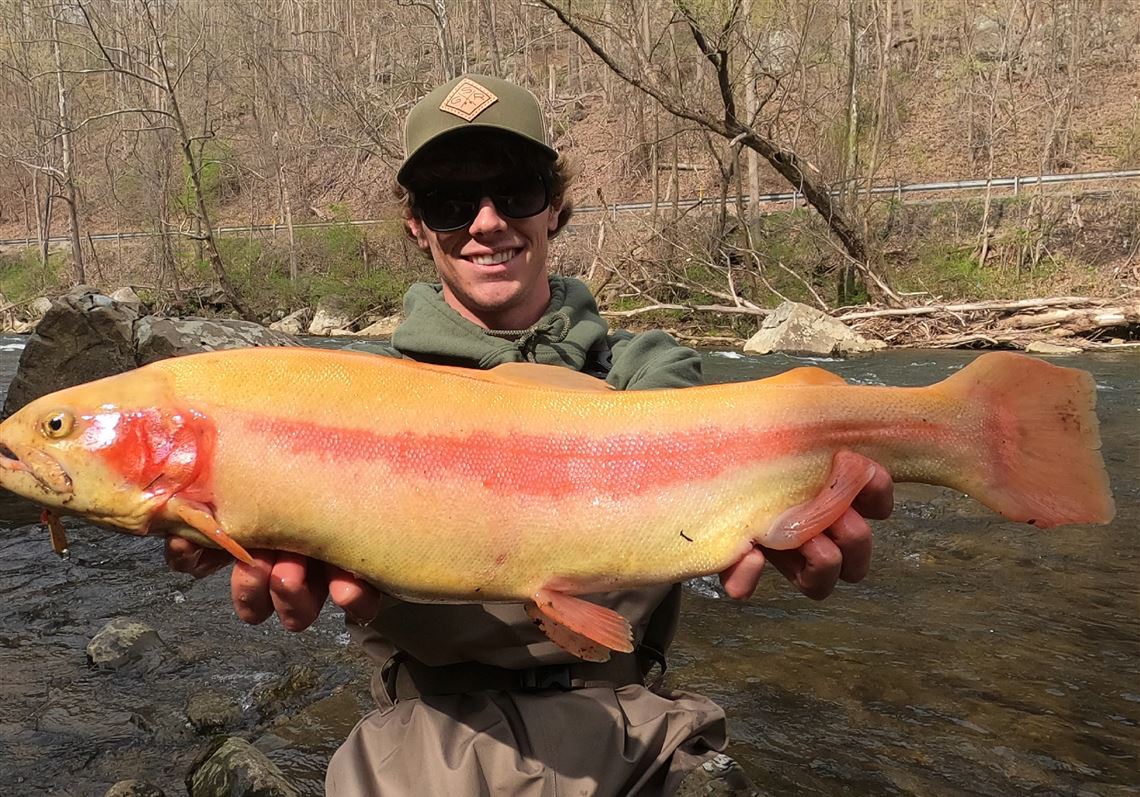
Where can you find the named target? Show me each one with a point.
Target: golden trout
(534, 483)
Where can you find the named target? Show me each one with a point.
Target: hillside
(290, 114)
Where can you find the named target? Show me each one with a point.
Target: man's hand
(841, 552)
(293, 586)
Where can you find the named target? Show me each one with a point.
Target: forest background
(256, 142)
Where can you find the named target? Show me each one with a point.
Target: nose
(487, 219)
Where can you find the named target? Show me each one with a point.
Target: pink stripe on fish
(557, 465)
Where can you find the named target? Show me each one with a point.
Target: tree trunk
(71, 194)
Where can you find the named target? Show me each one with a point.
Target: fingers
(851, 535)
(877, 498)
(814, 567)
(361, 601)
(292, 586)
(184, 556)
(841, 553)
(740, 579)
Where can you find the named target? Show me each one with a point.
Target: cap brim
(412, 160)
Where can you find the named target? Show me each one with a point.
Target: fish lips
(41, 466)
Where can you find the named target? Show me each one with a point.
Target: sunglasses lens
(520, 196)
(452, 206)
(447, 208)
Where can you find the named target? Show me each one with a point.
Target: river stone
(238, 769)
(298, 681)
(296, 323)
(1045, 347)
(124, 642)
(127, 295)
(327, 320)
(84, 336)
(720, 776)
(383, 328)
(134, 788)
(39, 307)
(211, 712)
(798, 329)
(159, 338)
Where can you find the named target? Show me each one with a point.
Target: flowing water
(979, 657)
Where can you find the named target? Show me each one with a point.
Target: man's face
(494, 270)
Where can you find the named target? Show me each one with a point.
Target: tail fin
(1044, 464)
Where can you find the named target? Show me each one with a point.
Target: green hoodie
(571, 333)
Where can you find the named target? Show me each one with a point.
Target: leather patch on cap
(468, 99)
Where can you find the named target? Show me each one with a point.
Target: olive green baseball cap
(473, 102)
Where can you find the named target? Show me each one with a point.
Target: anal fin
(201, 518)
(587, 630)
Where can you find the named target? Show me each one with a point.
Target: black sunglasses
(453, 205)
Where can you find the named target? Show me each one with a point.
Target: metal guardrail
(1016, 183)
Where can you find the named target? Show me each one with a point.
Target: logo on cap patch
(468, 99)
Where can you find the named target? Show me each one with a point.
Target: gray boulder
(124, 642)
(159, 338)
(84, 336)
(238, 769)
(87, 336)
(798, 329)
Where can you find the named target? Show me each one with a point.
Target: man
(472, 698)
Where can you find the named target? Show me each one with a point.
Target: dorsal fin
(536, 375)
(805, 375)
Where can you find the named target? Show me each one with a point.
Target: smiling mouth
(493, 259)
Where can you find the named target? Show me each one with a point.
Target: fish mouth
(42, 467)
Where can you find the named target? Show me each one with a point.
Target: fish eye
(58, 424)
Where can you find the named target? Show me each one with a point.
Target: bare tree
(715, 48)
(165, 82)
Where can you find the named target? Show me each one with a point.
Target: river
(979, 657)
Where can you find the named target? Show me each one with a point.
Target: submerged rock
(238, 769)
(124, 642)
(134, 788)
(212, 712)
(799, 329)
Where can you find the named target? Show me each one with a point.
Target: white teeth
(494, 258)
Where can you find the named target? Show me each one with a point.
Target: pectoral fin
(57, 531)
(201, 518)
(587, 630)
(849, 474)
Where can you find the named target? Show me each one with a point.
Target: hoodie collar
(565, 334)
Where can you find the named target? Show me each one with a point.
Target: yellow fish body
(534, 483)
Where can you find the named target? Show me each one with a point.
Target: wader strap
(406, 678)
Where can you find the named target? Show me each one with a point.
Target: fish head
(112, 451)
